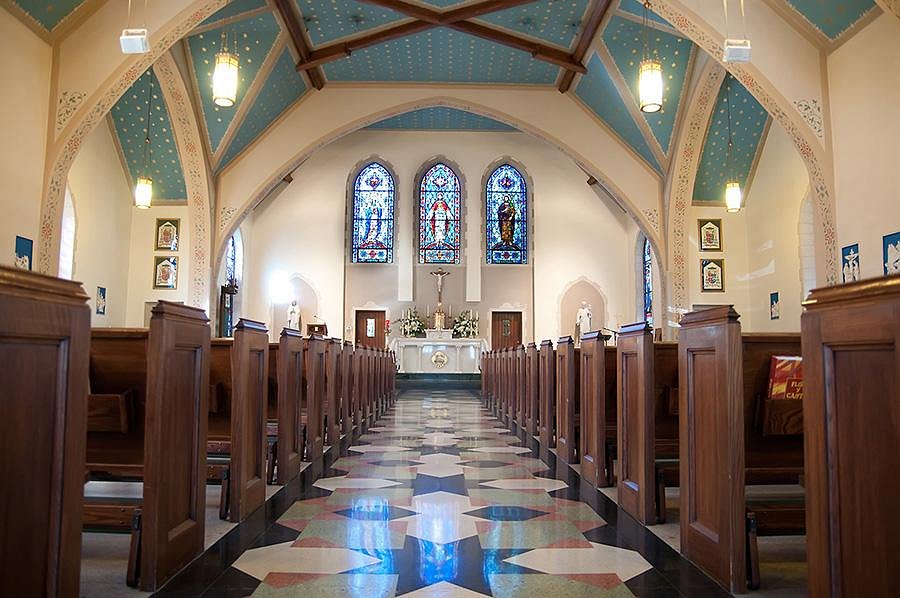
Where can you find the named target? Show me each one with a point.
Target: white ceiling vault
(588, 49)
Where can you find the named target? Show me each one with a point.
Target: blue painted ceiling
(270, 85)
(748, 125)
(48, 14)
(441, 119)
(129, 116)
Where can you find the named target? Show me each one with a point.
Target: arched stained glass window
(648, 281)
(439, 200)
(506, 205)
(373, 216)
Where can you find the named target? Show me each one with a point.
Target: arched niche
(577, 291)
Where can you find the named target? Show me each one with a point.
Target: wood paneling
(363, 318)
(636, 429)
(851, 360)
(592, 392)
(333, 391)
(532, 389)
(289, 368)
(44, 335)
(712, 444)
(347, 372)
(547, 418)
(314, 395)
(568, 402)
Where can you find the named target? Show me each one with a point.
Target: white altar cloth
(458, 355)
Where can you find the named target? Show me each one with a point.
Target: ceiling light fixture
(225, 75)
(733, 195)
(650, 77)
(736, 50)
(143, 188)
(135, 40)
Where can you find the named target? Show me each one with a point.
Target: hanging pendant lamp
(733, 195)
(143, 188)
(650, 77)
(225, 75)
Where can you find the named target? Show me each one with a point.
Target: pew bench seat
(779, 515)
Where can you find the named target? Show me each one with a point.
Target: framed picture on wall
(709, 232)
(891, 252)
(167, 231)
(712, 276)
(24, 252)
(165, 272)
(850, 262)
(100, 306)
(774, 306)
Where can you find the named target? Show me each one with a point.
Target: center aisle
(439, 499)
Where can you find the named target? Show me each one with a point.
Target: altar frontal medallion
(439, 359)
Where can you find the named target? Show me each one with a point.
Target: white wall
(302, 232)
(141, 268)
(103, 206)
(24, 105)
(864, 89)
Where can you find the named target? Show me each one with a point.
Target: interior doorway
(370, 328)
(506, 329)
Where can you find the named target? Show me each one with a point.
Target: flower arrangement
(465, 325)
(411, 324)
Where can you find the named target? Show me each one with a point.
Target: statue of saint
(373, 214)
(438, 220)
(506, 218)
(583, 320)
(293, 314)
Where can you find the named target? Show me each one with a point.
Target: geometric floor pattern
(438, 499)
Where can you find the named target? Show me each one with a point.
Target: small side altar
(439, 356)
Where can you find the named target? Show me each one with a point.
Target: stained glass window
(648, 282)
(373, 216)
(506, 204)
(439, 201)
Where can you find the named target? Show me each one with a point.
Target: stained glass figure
(648, 282)
(506, 204)
(439, 201)
(373, 216)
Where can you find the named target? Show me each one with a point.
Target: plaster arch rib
(242, 186)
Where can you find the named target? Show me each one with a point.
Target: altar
(439, 354)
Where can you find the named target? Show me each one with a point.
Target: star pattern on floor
(437, 499)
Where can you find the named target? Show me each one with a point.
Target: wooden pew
(532, 390)
(360, 398)
(333, 392)
(313, 401)
(44, 336)
(722, 377)
(851, 411)
(520, 388)
(567, 399)
(647, 422)
(547, 418)
(166, 370)
(291, 421)
(593, 408)
(347, 401)
(238, 372)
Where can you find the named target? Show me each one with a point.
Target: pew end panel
(636, 422)
(851, 411)
(173, 514)
(44, 347)
(592, 391)
(547, 417)
(289, 370)
(711, 449)
(567, 400)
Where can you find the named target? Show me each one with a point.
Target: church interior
(449, 298)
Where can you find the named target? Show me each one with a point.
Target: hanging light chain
(147, 149)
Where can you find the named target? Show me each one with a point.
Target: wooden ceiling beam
(291, 21)
(537, 50)
(339, 50)
(591, 26)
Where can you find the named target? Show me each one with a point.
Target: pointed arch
(507, 216)
(440, 215)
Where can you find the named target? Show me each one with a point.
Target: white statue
(892, 264)
(583, 320)
(293, 315)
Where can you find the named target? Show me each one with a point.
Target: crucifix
(439, 315)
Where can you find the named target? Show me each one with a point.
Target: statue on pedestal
(583, 321)
(293, 316)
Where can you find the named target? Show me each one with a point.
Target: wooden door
(506, 329)
(370, 329)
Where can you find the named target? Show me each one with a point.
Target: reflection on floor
(439, 499)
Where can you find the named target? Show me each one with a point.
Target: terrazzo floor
(439, 499)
